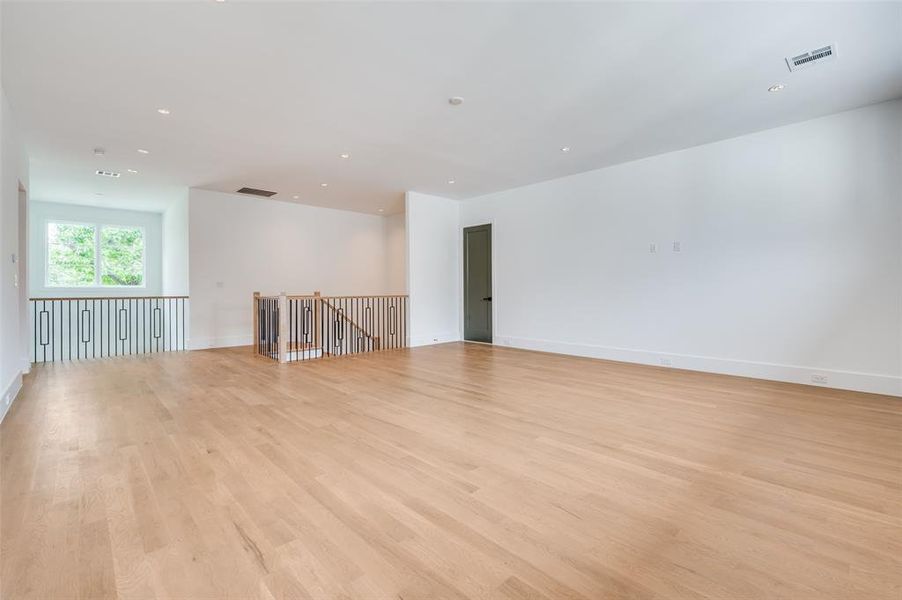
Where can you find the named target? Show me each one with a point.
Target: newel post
(256, 339)
(317, 319)
(283, 327)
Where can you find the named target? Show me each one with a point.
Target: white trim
(247, 340)
(10, 392)
(433, 338)
(220, 342)
(876, 383)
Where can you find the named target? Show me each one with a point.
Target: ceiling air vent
(256, 192)
(811, 58)
(103, 173)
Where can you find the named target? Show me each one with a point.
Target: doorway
(478, 283)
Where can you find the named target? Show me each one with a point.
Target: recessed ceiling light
(565, 149)
(98, 194)
(455, 100)
(777, 87)
(450, 181)
(295, 196)
(133, 171)
(143, 151)
(344, 155)
(324, 185)
(381, 210)
(163, 111)
(99, 151)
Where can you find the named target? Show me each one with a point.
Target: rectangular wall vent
(811, 58)
(256, 192)
(103, 173)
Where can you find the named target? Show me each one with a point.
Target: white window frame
(98, 256)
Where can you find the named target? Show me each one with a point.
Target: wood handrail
(111, 298)
(367, 296)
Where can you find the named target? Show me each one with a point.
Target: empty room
(450, 300)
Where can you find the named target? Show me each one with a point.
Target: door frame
(463, 279)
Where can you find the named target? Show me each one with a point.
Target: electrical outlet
(676, 247)
(819, 379)
(652, 248)
(666, 362)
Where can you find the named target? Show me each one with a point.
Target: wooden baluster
(317, 322)
(256, 305)
(283, 327)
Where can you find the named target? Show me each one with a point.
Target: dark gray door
(478, 283)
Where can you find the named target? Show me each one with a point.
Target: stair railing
(78, 328)
(291, 328)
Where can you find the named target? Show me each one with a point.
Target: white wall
(13, 172)
(433, 263)
(175, 248)
(396, 253)
(42, 212)
(791, 261)
(240, 244)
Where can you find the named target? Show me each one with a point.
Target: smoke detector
(103, 173)
(811, 58)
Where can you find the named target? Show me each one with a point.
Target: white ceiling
(268, 94)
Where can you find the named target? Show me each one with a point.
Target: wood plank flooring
(452, 471)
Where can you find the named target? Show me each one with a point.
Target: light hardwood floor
(453, 471)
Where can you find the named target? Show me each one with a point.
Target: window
(121, 256)
(87, 255)
(70, 255)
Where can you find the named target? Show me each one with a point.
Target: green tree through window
(70, 255)
(122, 256)
(78, 257)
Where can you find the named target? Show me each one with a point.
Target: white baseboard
(220, 342)
(434, 338)
(10, 392)
(846, 380)
(247, 340)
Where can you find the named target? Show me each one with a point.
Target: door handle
(487, 299)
